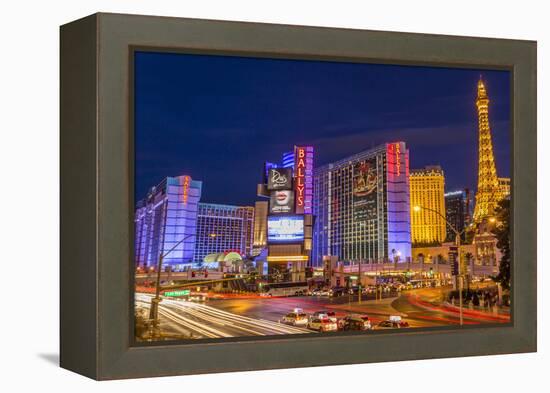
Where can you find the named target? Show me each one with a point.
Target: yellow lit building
(427, 188)
(260, 225)
(504, 184)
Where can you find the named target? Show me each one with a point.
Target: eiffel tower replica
(489, 192)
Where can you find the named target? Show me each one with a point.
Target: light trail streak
(201, 319)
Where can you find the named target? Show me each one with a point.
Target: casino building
(428, 226)
(223, 228)
(171, 212)
(288, 215)
(361, 206)
(163, 218)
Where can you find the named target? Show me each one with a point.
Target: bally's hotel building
(361, 206)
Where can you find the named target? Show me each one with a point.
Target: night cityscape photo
(285, 197)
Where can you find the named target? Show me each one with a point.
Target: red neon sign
(300, 178)
(186, 181)
(398, 158)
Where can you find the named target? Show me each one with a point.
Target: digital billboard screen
(281, 202)
(288, 229)
(365, 187)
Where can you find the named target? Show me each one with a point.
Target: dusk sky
(218, 118)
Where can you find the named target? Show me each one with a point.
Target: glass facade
(428, 225)
(224, 228)
(455, 209)
(164, 218)
(260, 224)
(361, 207)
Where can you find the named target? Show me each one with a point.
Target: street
(259, 316)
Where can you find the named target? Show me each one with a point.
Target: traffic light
(453, 260)
(205, 273)
(309, 272)
(193, 274)
(454, 267)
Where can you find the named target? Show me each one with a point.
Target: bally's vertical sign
(186, 182)
(303, 179)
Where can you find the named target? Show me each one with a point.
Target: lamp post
(154, 311)
(457, 242)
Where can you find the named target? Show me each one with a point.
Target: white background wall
(29, 194)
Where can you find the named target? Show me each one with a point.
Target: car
(322, 325)
(198, 297)
(369, 289)
(354, 290)
(295, 319)
(324, 314)
(394, 322)
(337, 291)
(316, 292)
(354, 322)
(325, 292)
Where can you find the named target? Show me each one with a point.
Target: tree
(502, 232)
(469, 235)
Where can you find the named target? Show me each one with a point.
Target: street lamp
(457, 242)
(154, 311)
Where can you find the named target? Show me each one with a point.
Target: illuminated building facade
(223, 228)
(455, 210)
(260, 224)
(361, 207)
(504, 183)
(167, 215)
(288, 160)
(489, 189)
(287, 217)
(427, 191)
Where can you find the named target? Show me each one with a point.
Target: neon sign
(300, 178)
(186, 181)
(398, 158)
(303, 173)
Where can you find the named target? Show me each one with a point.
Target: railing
(473, 269)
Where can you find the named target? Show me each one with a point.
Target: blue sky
(218, 118)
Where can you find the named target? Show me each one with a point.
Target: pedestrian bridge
(474, 270)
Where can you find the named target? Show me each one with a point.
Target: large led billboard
(285, 229)
(365, 187)
(281, 202)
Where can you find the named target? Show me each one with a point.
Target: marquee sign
(186, 181)
(303, 178)
(285, 229)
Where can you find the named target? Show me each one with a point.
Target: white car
(324, 314)
(322, 325)
(295, 319)
(393, 322)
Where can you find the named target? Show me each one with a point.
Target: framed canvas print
(241, 196)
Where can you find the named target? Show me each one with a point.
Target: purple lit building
(167, 215)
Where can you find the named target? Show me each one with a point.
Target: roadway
(196, 320)
(258, 316)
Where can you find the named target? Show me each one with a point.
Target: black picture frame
(97, 194)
